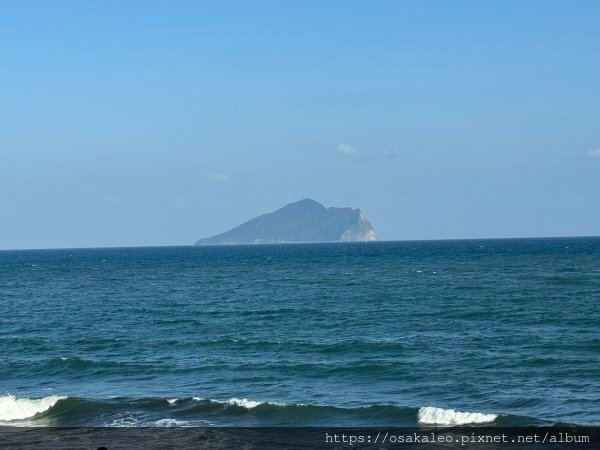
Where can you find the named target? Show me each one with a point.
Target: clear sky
(155, 123)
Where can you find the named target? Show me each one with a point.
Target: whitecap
(243, 402)
(13, 408)
(441, 416)
(246, 403)
(172, 401)
(170, 423)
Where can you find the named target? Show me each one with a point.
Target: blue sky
(158, 123)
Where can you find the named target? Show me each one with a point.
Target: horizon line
(298, 243)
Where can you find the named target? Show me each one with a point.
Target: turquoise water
(389, 333)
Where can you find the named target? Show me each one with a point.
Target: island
(300, 222)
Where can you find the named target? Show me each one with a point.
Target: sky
(159, 123)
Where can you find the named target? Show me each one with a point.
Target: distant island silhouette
(303, 221)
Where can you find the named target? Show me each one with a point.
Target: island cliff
(303, 221)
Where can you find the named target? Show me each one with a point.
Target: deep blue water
(320, 334)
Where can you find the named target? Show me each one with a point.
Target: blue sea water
(502, 332)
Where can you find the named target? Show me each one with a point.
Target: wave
(244, 403)
(251, 404)
(439, 416)
(196, 411)
(170, 423)
(13, 408)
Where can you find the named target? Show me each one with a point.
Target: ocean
(496, 332)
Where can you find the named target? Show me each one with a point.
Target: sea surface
(500, 332)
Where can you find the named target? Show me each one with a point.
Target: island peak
(303, 221)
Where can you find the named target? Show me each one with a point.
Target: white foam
(243, 402)
(170, 423)
(13, 408)
(172, 401)
(124, 421)
(440, 416)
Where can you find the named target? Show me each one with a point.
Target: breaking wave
(250, 404)
(440, 416)
(13, 408)
(197, 411)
